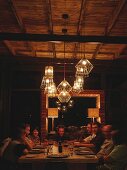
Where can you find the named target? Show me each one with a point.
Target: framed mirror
(96, 95)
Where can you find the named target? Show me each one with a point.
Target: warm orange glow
(52, 112)
(93, 112)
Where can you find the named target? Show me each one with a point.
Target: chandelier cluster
(48, 82)
(83, 68)
(64, 89)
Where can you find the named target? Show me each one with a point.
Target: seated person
(73, 133)
(96, 140)
(35, 136)
(17, 147)
(26, 127)
(108, 145)
(90, 135)
(89, 129)
(85, 132)
(60, 136)
(3, 145)
(117, 159)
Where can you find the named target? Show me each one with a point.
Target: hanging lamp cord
(84, 35)
(64, 60)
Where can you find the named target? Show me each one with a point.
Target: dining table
(48, 157)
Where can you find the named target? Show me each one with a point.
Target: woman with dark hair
(27, 129)
(35, 136)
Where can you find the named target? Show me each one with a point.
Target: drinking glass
(71, 149)
(50, 149)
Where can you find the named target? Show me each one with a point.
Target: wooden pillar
(102, 108)
(43, 115)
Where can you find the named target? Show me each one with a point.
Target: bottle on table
(60, 147)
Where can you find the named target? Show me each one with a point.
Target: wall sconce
(93, 113)
(52, 113)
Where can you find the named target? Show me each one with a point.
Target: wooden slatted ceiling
(115, 14)
(33, 14)
(97, 16)
(8, 22)
(120, 28)
(86, 17)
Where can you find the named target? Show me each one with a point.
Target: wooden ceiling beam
(9, 48)
(17, 16)
(66, 38)
(49, 9)
(98, 47)
(61, 51)
(110, 24)
(82, 11)
(20, 23)
(121, 53)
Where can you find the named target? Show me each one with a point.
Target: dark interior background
(78, 114)
(25, 108)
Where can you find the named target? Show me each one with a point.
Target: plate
(76, 142)
(36, 151)
(82, 152)
(39, 147)
(90, 156)
(83, 148)
(57, 156)
(30, 156)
